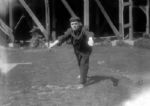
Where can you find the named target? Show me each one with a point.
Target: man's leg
(78, 56)
(84, 67)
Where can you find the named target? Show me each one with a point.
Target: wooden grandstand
(49, 30)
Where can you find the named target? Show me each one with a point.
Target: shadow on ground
(97, 78)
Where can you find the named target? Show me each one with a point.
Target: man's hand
(90, 41)
(53, 44)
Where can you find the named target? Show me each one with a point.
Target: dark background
(98, 23)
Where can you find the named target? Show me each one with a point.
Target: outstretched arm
(61, 39)
(53, 44)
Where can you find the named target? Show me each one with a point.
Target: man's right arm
(61, 39)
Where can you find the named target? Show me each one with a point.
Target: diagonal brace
(68, 8)
(7, 30)
(107, 17)
(34, 18)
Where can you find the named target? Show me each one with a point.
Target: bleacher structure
(119, 32)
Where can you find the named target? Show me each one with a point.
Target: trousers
(83, 63)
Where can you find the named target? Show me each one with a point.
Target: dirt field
(49, 78)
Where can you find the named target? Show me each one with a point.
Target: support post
(113, 27)
(53, 37)
(47, 17)
(11, 21)
(121, 21)
(68, 8)
(86, 13)
(148, 17)
(131, 20)
(34, 18)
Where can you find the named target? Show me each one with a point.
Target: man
(82, 41)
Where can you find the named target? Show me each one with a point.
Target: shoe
(80, 86)
(79, 76)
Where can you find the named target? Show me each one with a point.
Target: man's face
(75, 25)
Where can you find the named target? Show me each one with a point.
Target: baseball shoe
(80, 86)
(78, 77)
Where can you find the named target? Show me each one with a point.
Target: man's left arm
(90, 36)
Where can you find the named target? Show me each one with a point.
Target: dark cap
(74, 18)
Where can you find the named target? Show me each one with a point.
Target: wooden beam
(143, 8)
(121, 20)
(148, 17)
(107, 17)
(47, 17)
(10, 15)
(131, 20)
(34, 18)
(53, 36)
(5, 26)
(16, 26)
(6, 29)
(68, 8)
(127, 25)
(86, 13)
(126, 4)
(11, 20)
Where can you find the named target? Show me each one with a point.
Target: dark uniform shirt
(79, 39)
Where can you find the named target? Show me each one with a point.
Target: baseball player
(82, 40)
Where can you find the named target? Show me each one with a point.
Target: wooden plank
(127, 25)
(53, 37)
(10, 15)
(121, 20)
(107, 17)
(126, 4)
(148, 18)
(143, 8)
(47, 17)
(6, 29)
(86, 13)
(16, 26)
(131, 20)
(72, 13)
(34, 18)
(11, 21)
(4, 26)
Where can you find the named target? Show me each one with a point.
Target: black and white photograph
(74, 52)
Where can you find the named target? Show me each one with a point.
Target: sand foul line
(6, 67)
